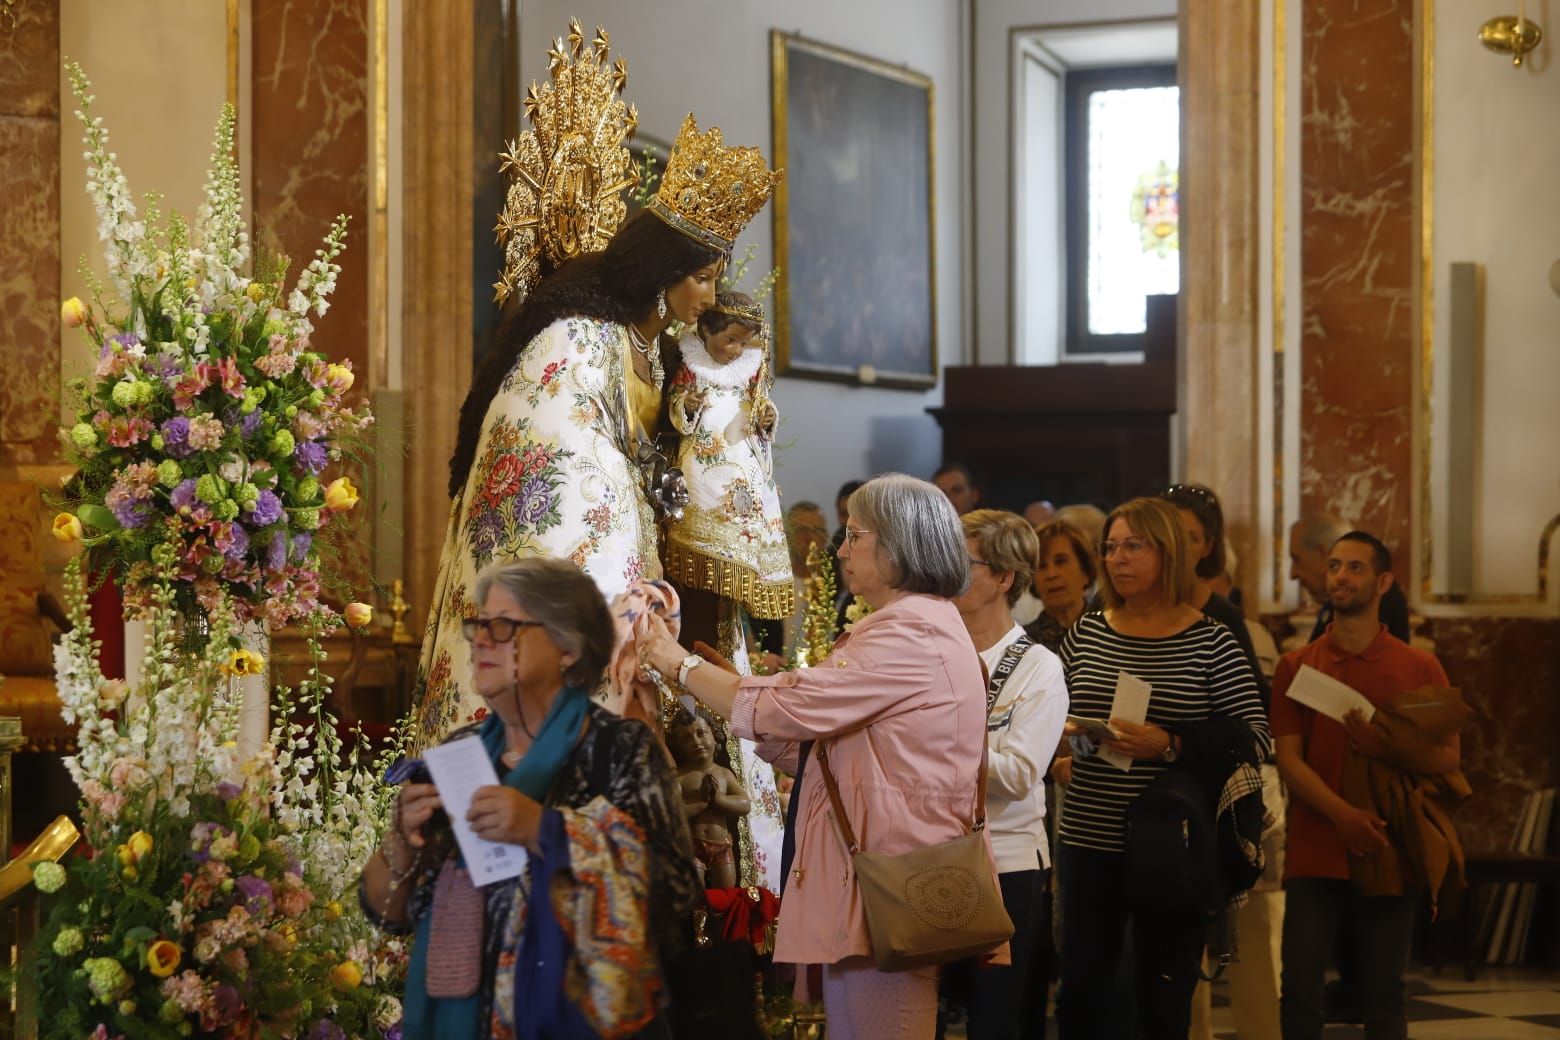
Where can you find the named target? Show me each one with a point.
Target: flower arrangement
(209, 418)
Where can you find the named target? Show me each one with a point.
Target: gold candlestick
(398, 609)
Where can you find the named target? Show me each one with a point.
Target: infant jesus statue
(712, 798)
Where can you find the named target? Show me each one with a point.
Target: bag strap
(843, 821)
(1014, 653)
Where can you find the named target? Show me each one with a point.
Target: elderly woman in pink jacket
(902, 702)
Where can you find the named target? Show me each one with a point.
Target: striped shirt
(1198, 672)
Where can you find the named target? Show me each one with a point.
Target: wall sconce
(1511, 34)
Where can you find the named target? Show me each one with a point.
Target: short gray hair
(1319, 530)
(567, 603)
(917, 530)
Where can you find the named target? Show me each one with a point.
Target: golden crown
(709, 192)
(571, 169)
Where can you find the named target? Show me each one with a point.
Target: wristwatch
(1170, 753)
(689, 663)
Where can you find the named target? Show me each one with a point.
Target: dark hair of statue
(713, 322)
(619, 284)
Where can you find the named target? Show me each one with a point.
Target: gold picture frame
(854, 217)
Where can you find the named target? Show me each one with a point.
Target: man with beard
(1324, 829)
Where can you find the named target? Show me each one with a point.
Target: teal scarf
(426, 1018)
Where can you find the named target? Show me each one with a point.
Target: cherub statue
(712, 798)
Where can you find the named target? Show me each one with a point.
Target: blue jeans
(1384, 929)
(1095, 919)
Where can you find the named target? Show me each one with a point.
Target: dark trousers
(998, 998)
(1383, 928)
(1095, 919)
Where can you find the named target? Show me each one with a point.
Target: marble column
(1357, 264)
(436, 298)
(30, 233)
(1217, 364)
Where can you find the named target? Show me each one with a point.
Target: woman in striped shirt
(1195, 669)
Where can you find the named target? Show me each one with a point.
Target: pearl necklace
(652, 358)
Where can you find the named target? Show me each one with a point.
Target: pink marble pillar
(309, 132)
(30, 234)
(1357, 263)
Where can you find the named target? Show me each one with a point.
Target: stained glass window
(1124, 228)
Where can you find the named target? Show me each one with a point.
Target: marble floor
(1501, 1004)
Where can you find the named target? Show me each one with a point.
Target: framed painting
(854, 231)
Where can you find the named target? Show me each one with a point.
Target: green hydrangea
(172, 1014)
(247, 495)
(316, 398)
(227, 509)
(248, 848)
(210, 489)
(157, 442)
(169, 473)
(105, 977)
(307, 519)
(69, 942)
(83, 436)
(144, 392)
(308, 490)
(282, 443)
(49, 877)
(124, 393)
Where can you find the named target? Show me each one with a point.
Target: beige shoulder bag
(932, 905)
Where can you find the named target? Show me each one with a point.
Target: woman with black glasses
(591, 798)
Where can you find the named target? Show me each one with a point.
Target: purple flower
(249, 425)
(256, 892)
(325, 1029)
(183, 495)
(301, 544)
(490, 527)
(276, 552)
(130, 512)
(239, 543)
(125, 339)
(167, 367)
(310, 457)
(176, 437)
(535, 500)
(227, 790)
(267, 510)
(394, 1032)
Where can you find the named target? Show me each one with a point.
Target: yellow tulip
(140, 844)
(358, 615)
(339, 378)
(67, 528)
(243, 662)
(332, 911)
(162, 957)
(346, 976)
(340, 495)
(73, 313)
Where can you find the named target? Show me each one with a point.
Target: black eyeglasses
(499, 629)
(980, 563)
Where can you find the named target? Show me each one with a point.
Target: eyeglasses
(980, 563)
(854, 533)
(499, 629)
(1129, 546)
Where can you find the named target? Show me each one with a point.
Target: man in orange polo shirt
(1324, 830)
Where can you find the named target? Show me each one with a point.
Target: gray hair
(1319, 530)
(918, 533)
(1088, 519)
(567, 603)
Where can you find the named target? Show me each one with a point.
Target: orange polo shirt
(1384, 669)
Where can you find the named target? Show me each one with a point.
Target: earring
(660, 306)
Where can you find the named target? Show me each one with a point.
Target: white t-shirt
(1023, 730)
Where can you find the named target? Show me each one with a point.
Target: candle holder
(1511, 34)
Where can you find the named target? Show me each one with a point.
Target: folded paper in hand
(1129, 705)
(1327, 695)
(459, 767)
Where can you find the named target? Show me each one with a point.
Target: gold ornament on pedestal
(571, 168)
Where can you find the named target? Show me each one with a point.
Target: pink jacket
(902, 700)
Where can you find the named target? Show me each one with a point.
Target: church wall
(713, 59)
(29, 243)
(992, 162)
(160, 115)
